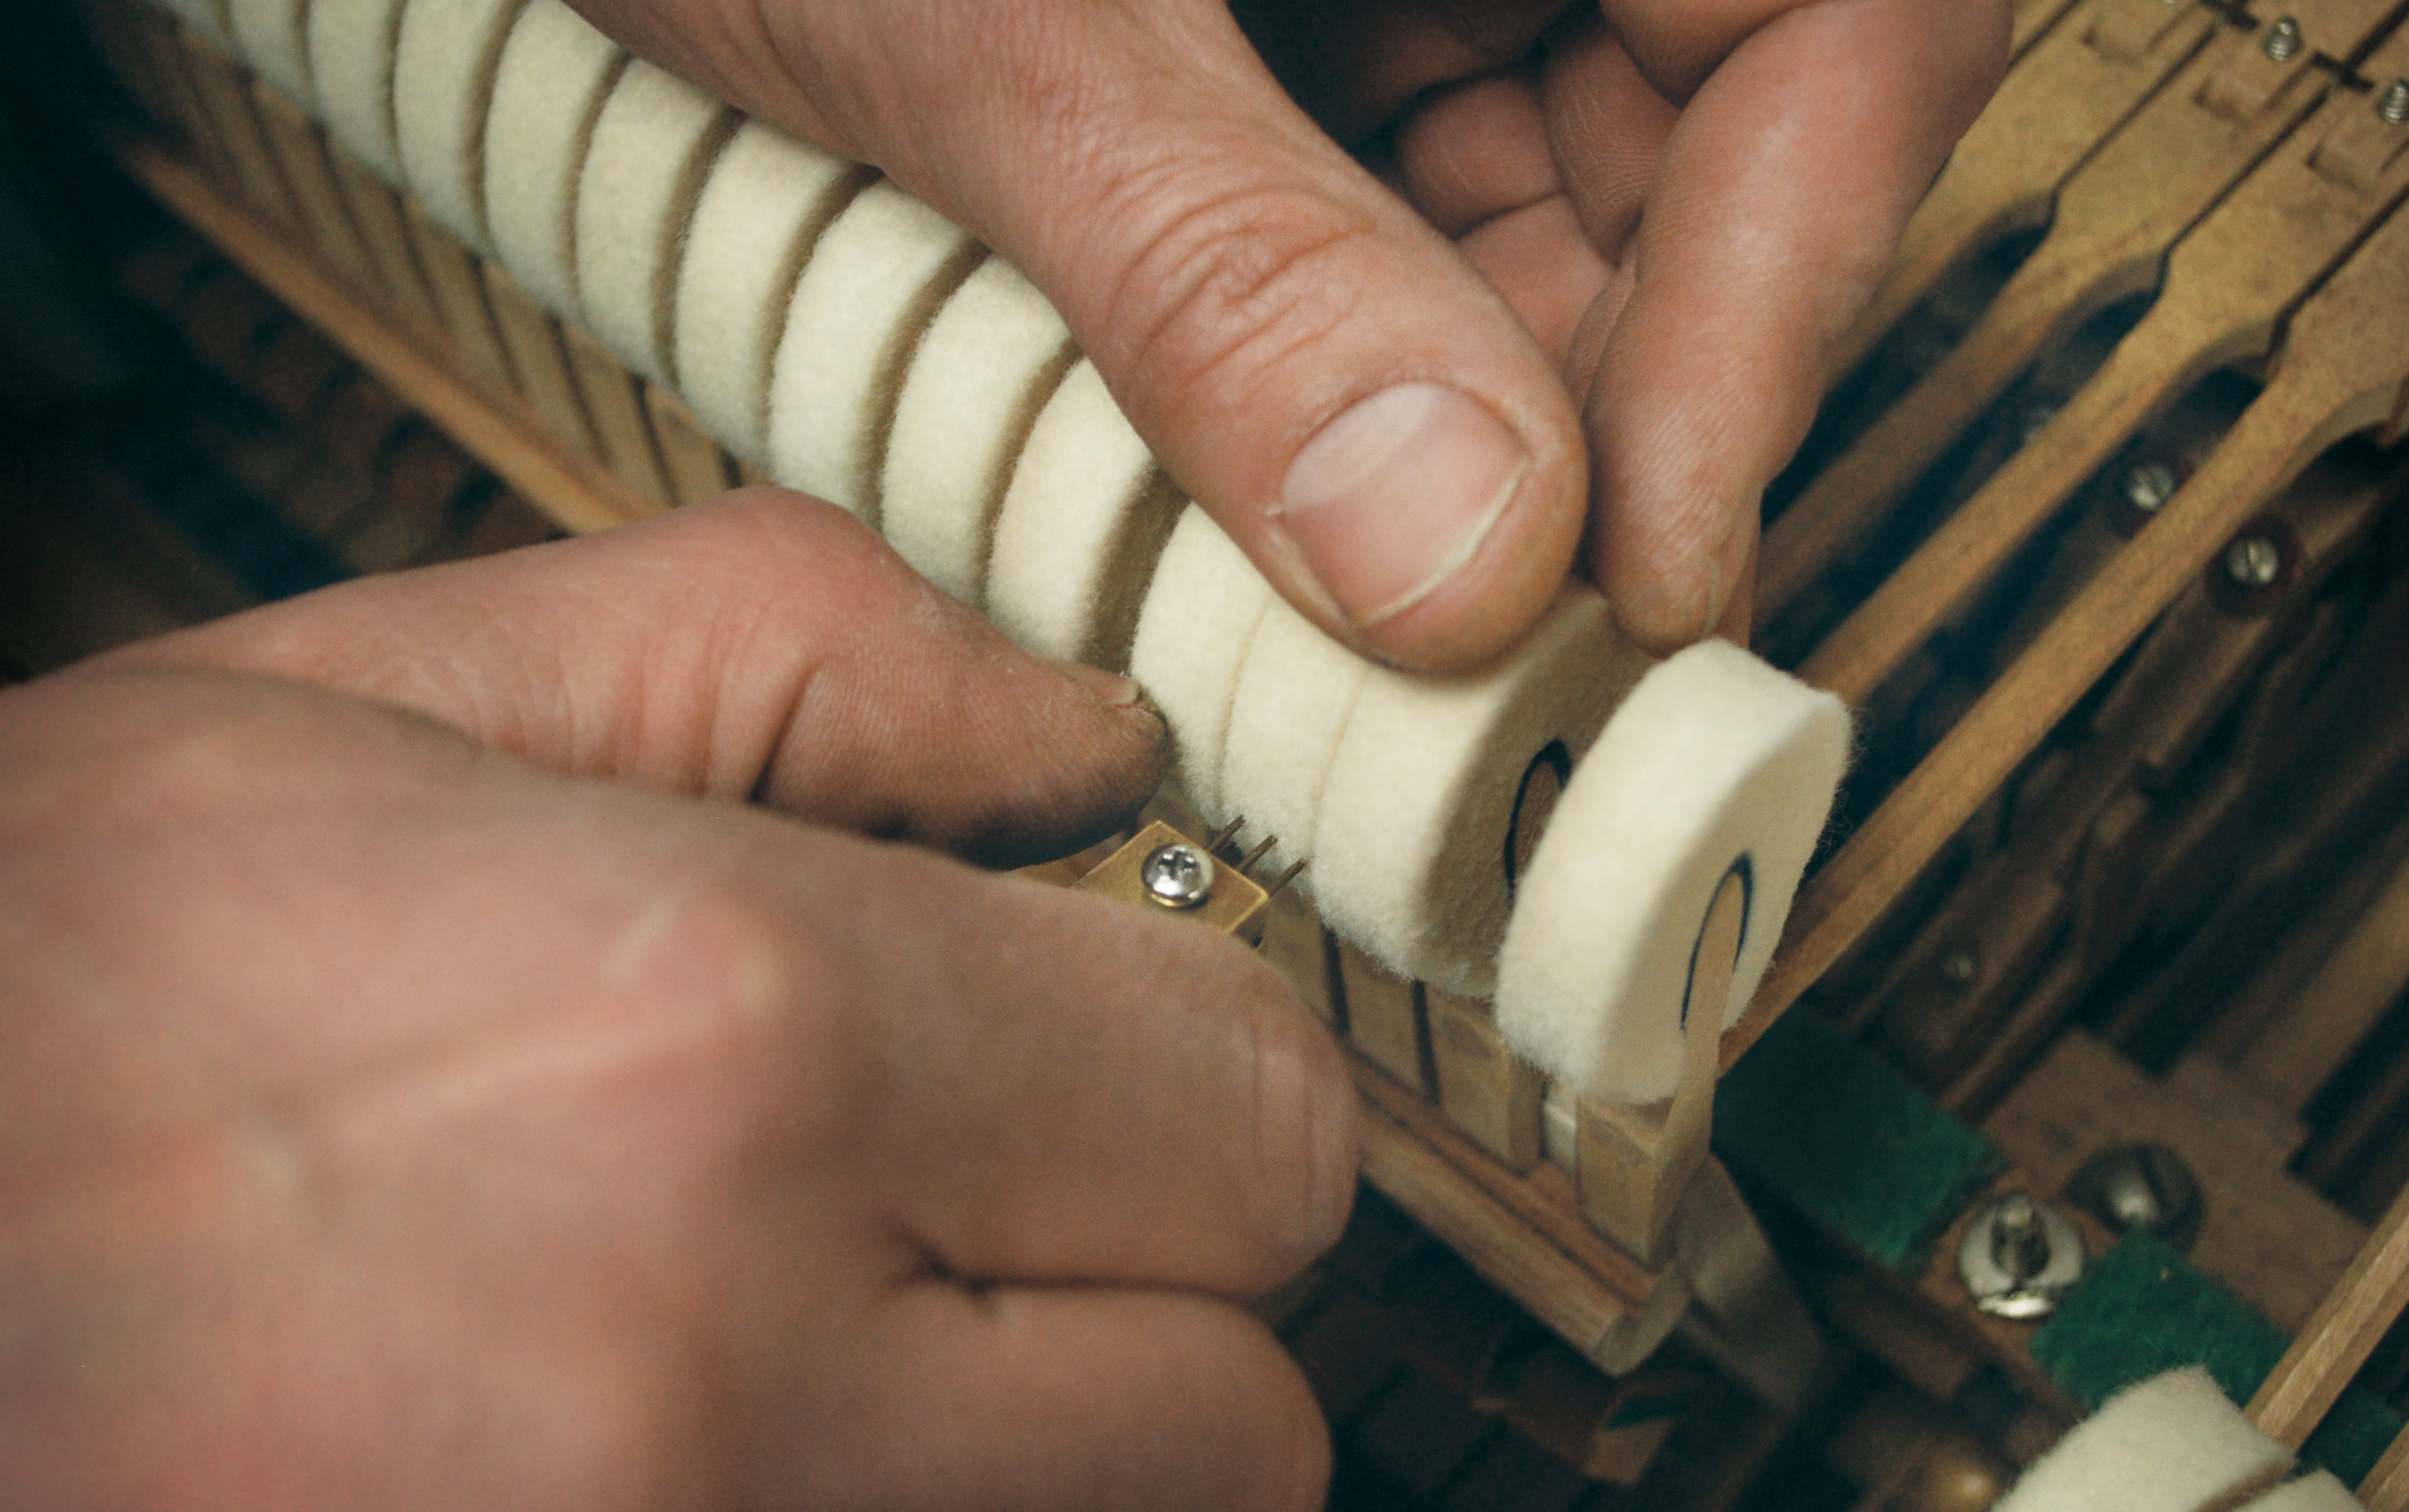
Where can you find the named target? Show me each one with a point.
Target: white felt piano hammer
(871, 287)
(761, 211)
(444, 68)
(1423, 810)
(2172, 1443)
(1193, 633)
(653, 143)
(1715, 763)
(555, 73)
(979, 380)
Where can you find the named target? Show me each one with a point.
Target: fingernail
(1398, 494)
(1110, 689)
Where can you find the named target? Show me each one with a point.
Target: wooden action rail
(2342, 371)
(2116, 218)
(2229, 286)
(574, 492)
(2091, 70)
(1452, 1119)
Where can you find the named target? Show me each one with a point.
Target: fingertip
(1307, 1143)
(1669, 590)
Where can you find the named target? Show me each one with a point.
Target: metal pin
(1281, 881)
(2149, 484)
(2254, 562)
(2018, 1242)
(2283, 43)
(1177, 875)
(1248, 866)
(2392, 106)
(1227, 832)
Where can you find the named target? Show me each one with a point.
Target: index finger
(1062, 1087)
(1811, 129)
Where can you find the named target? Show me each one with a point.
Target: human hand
(1595, 303)
(459, 1099)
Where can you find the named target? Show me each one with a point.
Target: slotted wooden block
(459, 294)
(532, 338)
(614, 403)
(1634, 1165)
(225, 90)
(376, 211)
(300, 151)
(692, 464)
(1490, 1093)
(1384, 1018)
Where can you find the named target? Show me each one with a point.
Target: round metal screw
(1958, 967)
(2149, 485)
(2139, 1187)
(1177, 875)
(2019, 1257)
(2283, 43)
(2034, 419)
(2254, 562)
(2392, 106)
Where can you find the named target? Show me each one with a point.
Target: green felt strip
(1849, 1142)
(2140, 1309)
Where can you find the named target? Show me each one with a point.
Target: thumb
(1313, 363)
(764, 646)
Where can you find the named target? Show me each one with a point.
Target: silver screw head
(2138, 1187)
(2034, 419)
(1959, 966)
(2019, 1257)
(1177, 875)
(2283, 42)
(2392, 105)
(2254, 562)
(2149, 484)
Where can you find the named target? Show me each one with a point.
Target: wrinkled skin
(1605, 248)
(424, 1082)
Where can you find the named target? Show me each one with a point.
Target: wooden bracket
(1635, 1164)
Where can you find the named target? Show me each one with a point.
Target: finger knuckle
(1227, 282)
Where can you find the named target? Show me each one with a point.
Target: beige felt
(273, 37)
(1199, 618)
(1714, 761)
(442, 92)
(1409, 854)
(2317, 1492)
(555, 73)
(653, 144)
(871, 287)
(982, 370)
(2170, 1444)
(1296, 692)
(351, 61)
(1081, 526)
(763, 207)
